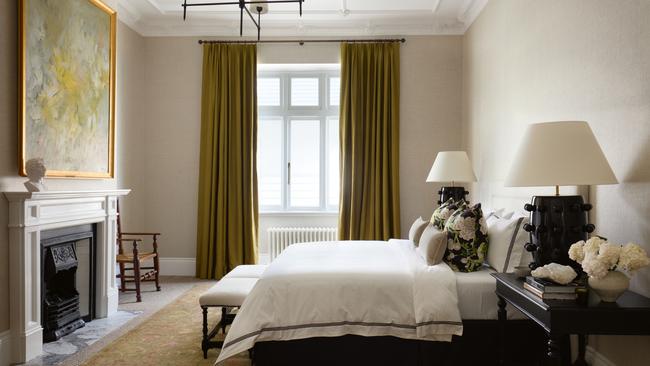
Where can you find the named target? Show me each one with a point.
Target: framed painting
(67, 87)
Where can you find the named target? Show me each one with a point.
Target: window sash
(324, 113)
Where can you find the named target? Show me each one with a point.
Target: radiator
(282, 237)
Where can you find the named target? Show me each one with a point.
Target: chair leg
(204, 344)
(136, 279)
(122, 280)
(156, 266)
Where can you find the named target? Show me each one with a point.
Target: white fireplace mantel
(30, 213)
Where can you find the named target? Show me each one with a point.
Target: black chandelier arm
(252, 18)
(257, 25)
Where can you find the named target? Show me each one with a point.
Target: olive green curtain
(369, 135)
(228, 208)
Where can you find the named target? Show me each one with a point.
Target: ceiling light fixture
(259, 7)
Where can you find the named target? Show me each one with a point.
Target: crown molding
(165, 21)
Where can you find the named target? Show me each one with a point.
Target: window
(298, 139)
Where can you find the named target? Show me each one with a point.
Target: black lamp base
(457, 193)
(556, 222)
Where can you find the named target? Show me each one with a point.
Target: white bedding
(476, 297)
(368, 288)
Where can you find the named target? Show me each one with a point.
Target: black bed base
(479, 345)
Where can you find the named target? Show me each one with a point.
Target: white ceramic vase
(610, 287)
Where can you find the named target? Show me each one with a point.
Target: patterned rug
(172, 336)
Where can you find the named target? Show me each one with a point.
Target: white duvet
(329, 289)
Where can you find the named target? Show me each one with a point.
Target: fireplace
(33, 217)
(68, 280)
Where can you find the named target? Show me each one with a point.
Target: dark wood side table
(630, 315)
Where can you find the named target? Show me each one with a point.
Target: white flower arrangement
(598, 256)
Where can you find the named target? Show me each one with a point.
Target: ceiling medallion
(259, 7)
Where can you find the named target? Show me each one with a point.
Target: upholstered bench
(247, 271)
(229, 293)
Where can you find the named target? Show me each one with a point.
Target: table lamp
(558, 154)
(451, 167)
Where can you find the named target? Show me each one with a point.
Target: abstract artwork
(67, 98)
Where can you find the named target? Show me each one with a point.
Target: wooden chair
(135, 258)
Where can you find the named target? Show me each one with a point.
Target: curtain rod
(302, 42)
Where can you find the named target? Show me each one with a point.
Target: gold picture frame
(67, 87)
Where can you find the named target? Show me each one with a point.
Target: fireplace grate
(61, 313)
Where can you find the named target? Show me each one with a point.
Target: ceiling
(320, 18)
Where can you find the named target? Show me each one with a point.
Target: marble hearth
(30, 213)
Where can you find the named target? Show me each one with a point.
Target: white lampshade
(559, 154)
(451, 166)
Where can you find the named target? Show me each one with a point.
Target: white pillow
(522, 239)
(491, 213)
(500, 213)
(507, 214)
(417, 229)
(433, 244)
(526, 257)
(507, 238)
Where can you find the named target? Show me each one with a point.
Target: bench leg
(204, 344)
(224, 315)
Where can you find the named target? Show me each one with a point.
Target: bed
(332, 325)
(364, 300)
(333, 289)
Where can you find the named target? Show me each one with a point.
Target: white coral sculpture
(556, 273)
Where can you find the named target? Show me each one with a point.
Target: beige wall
(172, 112)
(126, 115)
(130, 131)
(528, 61)
(430, 118)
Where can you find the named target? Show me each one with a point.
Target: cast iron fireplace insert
(60, 298)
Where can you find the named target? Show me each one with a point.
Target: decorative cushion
(507, 239)
(442, 213)
(433, 244)
(467, 243)
(416, 230)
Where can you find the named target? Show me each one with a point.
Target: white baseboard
(170, 266)
(5, 348)
(594, 358)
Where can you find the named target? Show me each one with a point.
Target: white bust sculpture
(35, 169)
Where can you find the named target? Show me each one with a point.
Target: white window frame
(285, 112)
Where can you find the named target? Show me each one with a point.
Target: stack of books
(549, 290)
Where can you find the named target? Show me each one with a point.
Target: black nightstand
(630, 315)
